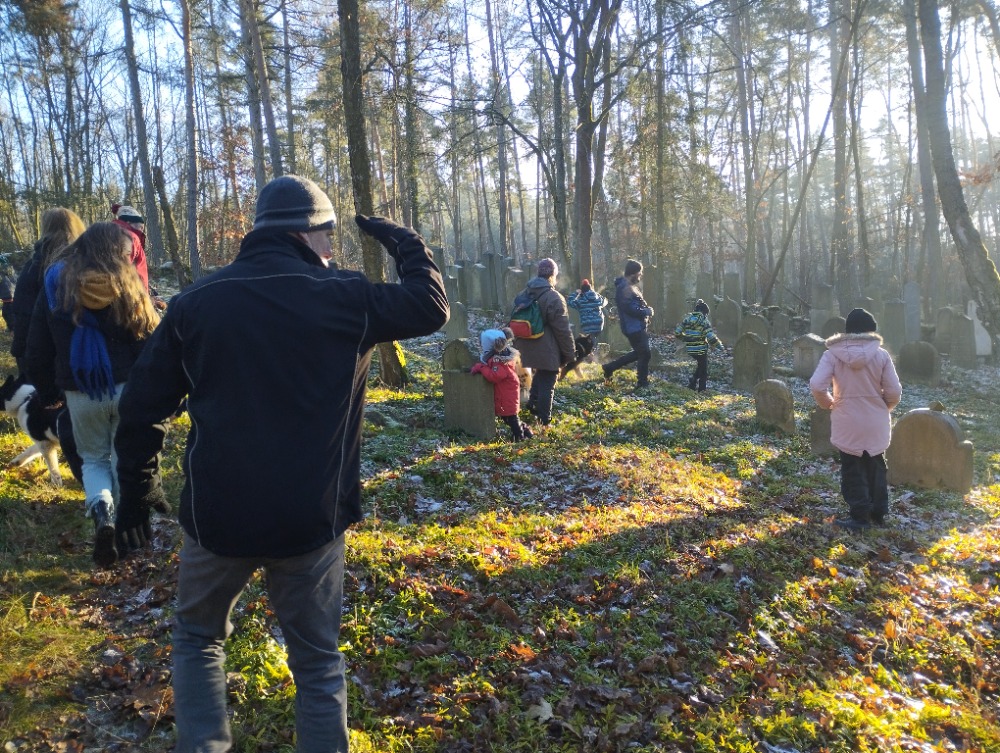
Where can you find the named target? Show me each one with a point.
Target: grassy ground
(654, 573)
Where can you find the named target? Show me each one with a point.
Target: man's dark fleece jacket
(273, 353)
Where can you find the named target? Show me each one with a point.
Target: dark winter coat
(555, 347)
(29, 285)
(633, 311)
(272, 352)
(591, 305)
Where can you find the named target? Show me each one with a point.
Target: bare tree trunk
(253, 99)
(249, 8)
(289, 110)
(191, 131)
(391, 370)
(173, 244)
(980, 272)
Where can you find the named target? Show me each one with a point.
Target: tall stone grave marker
(911, 311)
(819, 433)
(751, 362)
(821, 307)
(731, 286)
(468, 398)
(963, 342)
(942, 329)
(705, 287)
(984, 343)
(928, 450)
(775, 405)
(919, 363)
(892, 325)
(807, 350)
(726, 321)
(780, 325)
(457, 327)
(515, 280)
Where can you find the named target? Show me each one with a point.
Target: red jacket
(506, 386)
(138, 255)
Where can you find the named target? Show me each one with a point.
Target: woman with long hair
(60, 227)
(86, 332)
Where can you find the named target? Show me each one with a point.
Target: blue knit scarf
(88, 352)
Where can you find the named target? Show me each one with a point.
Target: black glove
(132, 529)
(386, 232)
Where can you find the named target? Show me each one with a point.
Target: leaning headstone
(806, 352)
(775, 405)
(457, 327)
(892, 325)
(833, 326)
(963, 342)
(705, 287)
(468, 398)
(928, 450)
(819, 433)
(911, 309)
(726, 321)
(919, 363)
(751, 362)
(942, 330)
(731, 287)
(984, 343)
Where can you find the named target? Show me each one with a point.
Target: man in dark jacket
(633, 316)
(272, 353)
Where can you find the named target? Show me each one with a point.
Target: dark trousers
(700, 375)
(516, 427)
(864, 486)
(543, 386)
(640, 355)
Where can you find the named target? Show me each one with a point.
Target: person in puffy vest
(696, 332)
(498, 365)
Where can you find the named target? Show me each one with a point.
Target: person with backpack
(695, 330)
(546, 352)
(633, 316)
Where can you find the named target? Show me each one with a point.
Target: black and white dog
(37, 421)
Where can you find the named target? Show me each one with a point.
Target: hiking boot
(105, 553)
(607, 374)
(852, 524)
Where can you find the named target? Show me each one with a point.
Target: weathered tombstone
(833, 326)
(451, 289)
(457, 327)
(819, 433)
(892, 325)
(911, 309)
(438, 252)
(731, 287)
(780, 325)
(821, 307)
(984, 343)
(751, 362)
(928, 450)
(479, 297)
(492, 280)
(807, 350)
(942, 332)
(919, 363)
(463, 271)
(705, 287)
(758, 325)
(775, 405)
(468, 398)
(963, 342)
(515, 281)
(726, 321)
(617, 342)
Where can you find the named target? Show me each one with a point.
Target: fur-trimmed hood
(854, 350)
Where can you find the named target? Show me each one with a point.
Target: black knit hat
(294, 204)
(859, 321)
(701, 306)
(632, 267)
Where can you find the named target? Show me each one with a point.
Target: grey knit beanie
(547, 268)
(294, 204)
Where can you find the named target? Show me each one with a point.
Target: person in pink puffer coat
(865, 390)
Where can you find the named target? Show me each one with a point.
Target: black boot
(105, 553)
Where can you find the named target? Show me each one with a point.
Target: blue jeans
(94, 425)
(306, 593)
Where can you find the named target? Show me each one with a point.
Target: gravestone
(468, 398)
(514, 281)
(833, 326)
(963, 342)
(775, 405)
(892, 325)
(480, 295)
(492, 281)
(438, 253)
(911, 311)
(942, 329)
(464, 273)
(616, 340)
(780, 325)
(451, 289)
(457, 326)
(984, 343)
(919, 363)
(726, 321)
(928, 450)
(751, 362)
(806, 352)
(819, 433)
(758, 325)
(821, 307)
(705, 287)
(731, 287)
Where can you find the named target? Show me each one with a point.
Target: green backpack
(526, 320)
